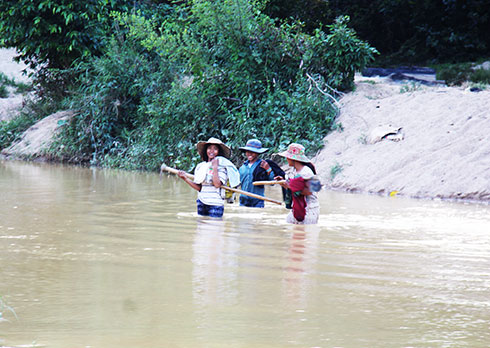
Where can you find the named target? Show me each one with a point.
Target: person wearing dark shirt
(254, 169)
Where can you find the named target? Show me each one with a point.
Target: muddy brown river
(111, 259)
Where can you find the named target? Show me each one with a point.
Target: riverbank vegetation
(148, 79)
(201, 69)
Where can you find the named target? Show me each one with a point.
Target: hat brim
(253, 149)
(300, 158)
(201, 146)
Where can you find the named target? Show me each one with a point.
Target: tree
(220, 69)
(415, 31)
(54, 33)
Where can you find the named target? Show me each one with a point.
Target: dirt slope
(38, 137)
(443, 147)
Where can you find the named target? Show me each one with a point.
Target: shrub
(480, 76)
(111, 90)
(4, 93)
(11, 130)
(335, 170)
(456, 74)
(339, 54)
(6, 81)
(453, 74)
(54, 33)
(210, 69)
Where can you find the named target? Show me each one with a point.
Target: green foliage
(410, 87)
(405, 32)
(457, 74)
(312, 13)
(55, 32)
(22, 88)
(4, 93)
(5, 82)
(453, 74)
(340, 54)
(111, 89)
(479, 86)
(369, 82)
(363, 139)
(12, 130)
(209, 69)
(51, 35)
(335, 170)
(480, 76)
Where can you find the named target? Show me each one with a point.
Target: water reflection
(107, 259)
(302, 259)
(214, 263)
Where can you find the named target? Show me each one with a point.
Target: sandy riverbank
(441, 151)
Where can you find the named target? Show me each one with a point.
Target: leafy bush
(480, 76)
(453, 74)
(410, 87)
(111, 89)
(335, 170)
(340, 54)
(210, 69)
(4, 93)
(6, 81)
(54, 33)
(456, 74)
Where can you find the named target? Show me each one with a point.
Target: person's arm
(283, 184)
(268, 169)
(216, 180)
(191, 183)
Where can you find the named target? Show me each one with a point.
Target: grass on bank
(455, 74)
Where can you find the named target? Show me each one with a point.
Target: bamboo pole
(272, 182)
(190, 176)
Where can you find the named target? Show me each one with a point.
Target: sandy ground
(439, 148)
(9, 106)
(17, 71)
(441, 151)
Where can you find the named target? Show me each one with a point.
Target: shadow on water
(106, 258)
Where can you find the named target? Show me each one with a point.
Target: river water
(111, 259)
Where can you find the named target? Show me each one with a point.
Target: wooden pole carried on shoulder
(190, 176)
